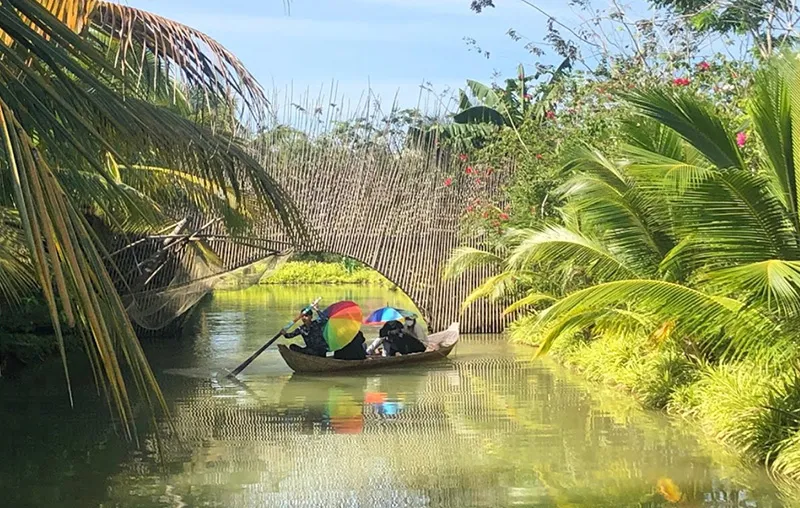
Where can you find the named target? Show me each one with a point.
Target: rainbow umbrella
(343, 322)
(385, 314)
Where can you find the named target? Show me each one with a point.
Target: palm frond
(529, 300)
(770, 112)
(773, 284)
(738, 220)
(713, 322)
(200, 61)
(694, 120)
(494, 288)
(555, 245)
(464, 259)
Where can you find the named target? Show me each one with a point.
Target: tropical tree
(88, 92)
(693, 231)
(484, 109)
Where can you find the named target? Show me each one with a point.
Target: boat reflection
(339, 405)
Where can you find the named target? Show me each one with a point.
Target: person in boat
(311, 330)
(353, 351)
(393, 338)
(412, 327)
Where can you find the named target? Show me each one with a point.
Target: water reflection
(488, 428)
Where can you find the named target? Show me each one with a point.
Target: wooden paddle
(247, 362)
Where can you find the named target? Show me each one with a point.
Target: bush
(748, 406)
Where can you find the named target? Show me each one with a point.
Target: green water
(488, 428)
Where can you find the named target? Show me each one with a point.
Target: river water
(490, 427)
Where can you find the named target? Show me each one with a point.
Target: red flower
(539, 156)
(550, 114)
(448, 182)
(470, 208)
(469, 170)
(486, 215)
(503, 216)
(681, 81)
(463, 157)
(741, 139)
(703, 66)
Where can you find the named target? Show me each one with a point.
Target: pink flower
(469, 170)
(503, 216)
(741, 138)
(539, 156)
(448, 181)
(463, 157)
(550, 114)
(703, 66)
(470, 208)
(681, 81)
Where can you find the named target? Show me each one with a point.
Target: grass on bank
(319, 272)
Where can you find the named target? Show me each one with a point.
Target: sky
(388, 46)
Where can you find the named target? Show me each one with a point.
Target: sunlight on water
(486, 428)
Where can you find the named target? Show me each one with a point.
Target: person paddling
(311, 331)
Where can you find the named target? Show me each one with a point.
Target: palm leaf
(773, 284)
(770, 112)
(554, 245)
(199, 60)
(713, 322)
(694, 120)
(464, 259)
(528, 300)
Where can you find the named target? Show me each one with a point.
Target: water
(488, 428)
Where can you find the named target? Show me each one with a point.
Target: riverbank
(750, 406)
(27, 336)
(320, 272)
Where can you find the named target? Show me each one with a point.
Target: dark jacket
(400, 342)
(312, 336)
(353, 351)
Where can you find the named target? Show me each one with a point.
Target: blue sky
(390, 45)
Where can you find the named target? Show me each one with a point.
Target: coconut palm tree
(682, 232)
(83, 82)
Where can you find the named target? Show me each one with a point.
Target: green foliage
(314, 272)
(652, 372)
(749, 406)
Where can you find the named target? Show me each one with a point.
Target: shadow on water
(487, 428)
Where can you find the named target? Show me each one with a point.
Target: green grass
(315, 272)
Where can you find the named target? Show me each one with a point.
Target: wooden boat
(443, 342)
